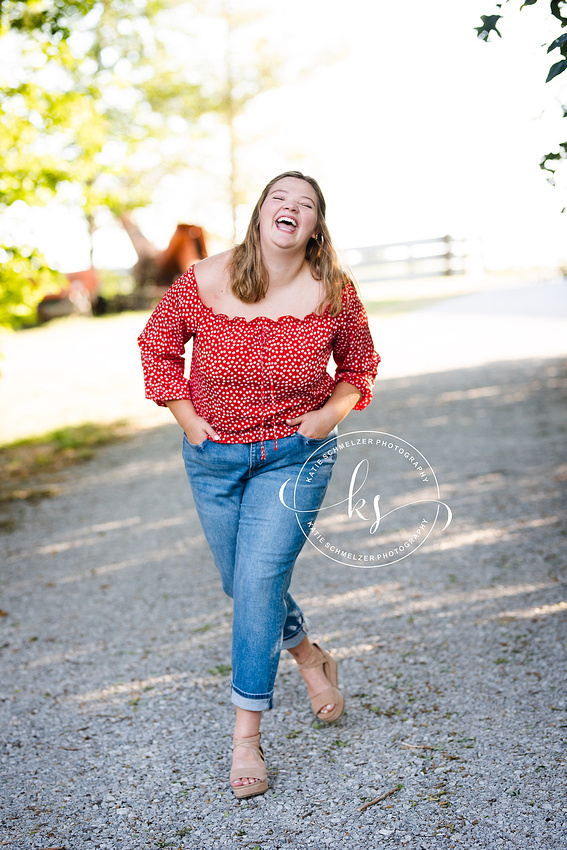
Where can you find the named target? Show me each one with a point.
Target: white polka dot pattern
(248, 377)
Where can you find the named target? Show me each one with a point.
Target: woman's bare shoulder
(213, 273)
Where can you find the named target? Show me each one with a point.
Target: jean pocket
(316, 441)
(195, 445)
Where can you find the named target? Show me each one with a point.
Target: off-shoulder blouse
(248, 377)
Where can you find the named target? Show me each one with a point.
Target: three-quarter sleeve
(353, 348)
(162, 342)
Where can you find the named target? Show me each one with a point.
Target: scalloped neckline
(242, 319)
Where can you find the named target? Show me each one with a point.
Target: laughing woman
(265, 318)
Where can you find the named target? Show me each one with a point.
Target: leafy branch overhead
(558, 9)
(558, 67)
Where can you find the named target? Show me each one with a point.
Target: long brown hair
(247, 270)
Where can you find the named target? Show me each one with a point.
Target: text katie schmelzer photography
(382, 505)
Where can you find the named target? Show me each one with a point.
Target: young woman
(265, 318)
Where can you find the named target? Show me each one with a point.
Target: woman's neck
(283, 267)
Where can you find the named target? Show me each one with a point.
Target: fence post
(448, 255)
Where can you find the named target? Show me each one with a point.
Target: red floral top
(248, 377)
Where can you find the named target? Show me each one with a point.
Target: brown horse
(161, 268)
(186, 246)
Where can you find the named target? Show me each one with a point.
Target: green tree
(24, 278)
(88, 90)
(490, 23)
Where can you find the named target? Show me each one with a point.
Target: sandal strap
(241, 769)
(252, 742)
(330, 696)
(316, 658)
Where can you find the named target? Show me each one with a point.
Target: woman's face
(288, 216)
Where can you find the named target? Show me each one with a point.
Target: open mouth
(286, 223)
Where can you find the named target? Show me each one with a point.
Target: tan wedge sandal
(241, 768)
(330, 696)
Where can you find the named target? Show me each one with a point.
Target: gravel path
(115, 633)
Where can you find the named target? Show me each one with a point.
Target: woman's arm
(317, 424)
(162, 342)
(196, 428)
(353, 348)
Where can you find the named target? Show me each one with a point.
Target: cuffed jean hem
(263, 702)
(295, 640)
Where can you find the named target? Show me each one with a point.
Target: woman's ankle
(247, 723)
(302, 651)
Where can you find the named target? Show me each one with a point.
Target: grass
(30, 468)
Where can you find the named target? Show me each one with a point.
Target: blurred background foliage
(97, 105)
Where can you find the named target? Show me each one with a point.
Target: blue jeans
(255, 540)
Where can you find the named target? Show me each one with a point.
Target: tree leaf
(556, 10)
(488, 25)
(549, 157)
(556, 69)
(558, 42)
(553, 157)
(528, 3)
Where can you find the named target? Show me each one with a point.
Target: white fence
(418, 258)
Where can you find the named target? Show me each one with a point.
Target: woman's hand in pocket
(315, 424)
(199, 430)
(318, 424)
(196, 428)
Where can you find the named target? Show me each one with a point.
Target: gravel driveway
(115, 634)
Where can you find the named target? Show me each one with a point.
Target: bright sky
(419, 130)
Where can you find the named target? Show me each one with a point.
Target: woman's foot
(248, 758)
(248, 774)
(319, 672)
